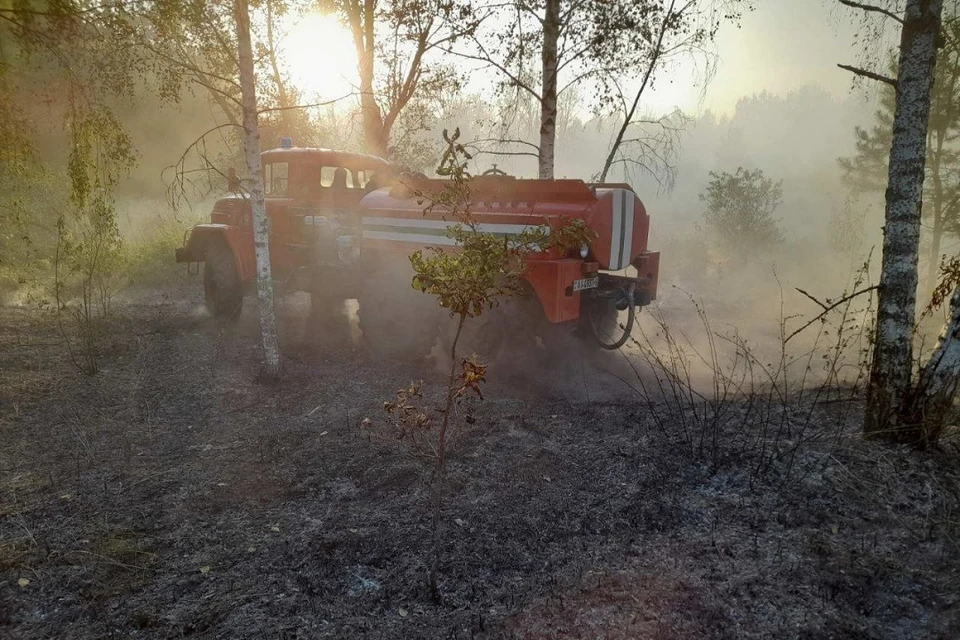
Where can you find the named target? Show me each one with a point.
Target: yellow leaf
(403, 612)
(205, 569)
(23, 582)
(835, 529)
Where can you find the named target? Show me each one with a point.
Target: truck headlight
(584, 251)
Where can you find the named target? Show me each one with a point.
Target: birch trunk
(251, 148)
(888, 392)
(933, 268)
(940, 376)
(548, 94)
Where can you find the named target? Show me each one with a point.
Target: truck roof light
(286, 143)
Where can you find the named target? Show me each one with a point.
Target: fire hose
(622, 301)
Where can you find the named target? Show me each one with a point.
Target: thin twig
(871, 8)
(828, 309)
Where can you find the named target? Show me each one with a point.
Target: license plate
(586, 283)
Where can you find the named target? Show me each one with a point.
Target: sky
(780, 47)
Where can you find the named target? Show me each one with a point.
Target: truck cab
(305, 188)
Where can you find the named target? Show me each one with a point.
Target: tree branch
(828, 308)
(305, 106)
(504, 141)
(871, 8)
(869, 74)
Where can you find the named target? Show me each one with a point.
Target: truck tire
(504, 334)
(222, 289)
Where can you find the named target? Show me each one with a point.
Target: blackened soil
(172, 495)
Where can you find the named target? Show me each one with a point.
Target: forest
(479, 319)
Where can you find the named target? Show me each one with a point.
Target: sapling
(469, 279)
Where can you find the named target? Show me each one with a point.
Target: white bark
(251, 148)
(888, 393)
(548, 93)
(941, 374)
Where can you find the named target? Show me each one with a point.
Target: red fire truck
(342, 226)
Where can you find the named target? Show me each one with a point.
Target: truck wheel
(507, 333)
(222, 289)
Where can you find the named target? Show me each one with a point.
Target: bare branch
(325, 103)
(871, 8)
(869, 74)
(828, 308)
(505, 141)
(176, 188)
(628, 115)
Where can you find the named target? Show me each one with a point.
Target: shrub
(740, 210)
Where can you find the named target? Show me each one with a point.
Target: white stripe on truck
(626, 244)
(442, 224)
(622, 204)
(616, 224)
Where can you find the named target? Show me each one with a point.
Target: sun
(320, 56)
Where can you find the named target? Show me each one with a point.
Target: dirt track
(173, 496)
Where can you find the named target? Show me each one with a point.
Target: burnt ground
(171, 495)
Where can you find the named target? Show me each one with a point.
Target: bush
(740, 210)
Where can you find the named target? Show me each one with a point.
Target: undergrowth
(724, 397)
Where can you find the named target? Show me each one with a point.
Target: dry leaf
(403, 612)
(354, 530)
(251, 549)
(459, 522)
(205, 569)
(275, 529)
(23, 582)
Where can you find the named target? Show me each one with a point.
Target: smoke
(795, 136)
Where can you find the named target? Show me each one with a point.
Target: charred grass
(170, 495)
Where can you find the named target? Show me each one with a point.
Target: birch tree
(611, 49)
(866, 171)
(251, 148)
(890, 386)
(209, 45)
(940, 376)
